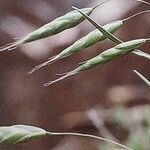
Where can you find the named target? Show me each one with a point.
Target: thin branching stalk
(88, 136)
(137, 14)
(142, 77)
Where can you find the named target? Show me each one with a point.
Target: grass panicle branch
(137, 14)
(104, 57)
(142, 77)
(23, 133)
(89, 136)
(58, 25)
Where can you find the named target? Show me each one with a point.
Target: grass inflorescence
(104, 57)
(91, 39)
(58, 25)
(23, 133)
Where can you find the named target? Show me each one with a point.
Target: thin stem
(142, 12)
(100, 4)
(142, 77)
(89, 136)
(141, 53)
(142, 1)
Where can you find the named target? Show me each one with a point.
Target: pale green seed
(87, 41)
(58, 25)
(104, 57)
(19, 133)
(113, 53)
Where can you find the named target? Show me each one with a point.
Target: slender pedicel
(88, 136)
(58, 25)
(87, 41)
(142, 77)
(104, 57)
(137, 14)
(142, 54)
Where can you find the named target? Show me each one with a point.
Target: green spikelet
(19, 133)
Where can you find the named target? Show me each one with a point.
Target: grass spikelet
(58, 25)
(19, 133)
(86, 41)
(89, 40)
(98, 26)
(104, 57)
(113, 38)
(142, 77)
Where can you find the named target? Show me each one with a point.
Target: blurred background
(108, 101)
